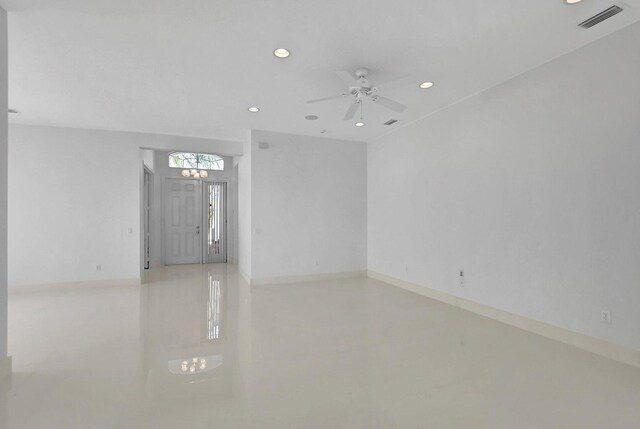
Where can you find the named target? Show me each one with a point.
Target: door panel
(182, 222)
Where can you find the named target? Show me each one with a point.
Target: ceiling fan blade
(352, 111)
(347, 77)
(389, 104)
(333, 97)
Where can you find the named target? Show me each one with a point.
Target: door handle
(198, 229)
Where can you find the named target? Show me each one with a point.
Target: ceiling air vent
(597, 19)
(391, 122)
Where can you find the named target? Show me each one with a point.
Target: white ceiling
(192, 67)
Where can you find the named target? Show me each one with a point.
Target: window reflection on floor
(214, 308)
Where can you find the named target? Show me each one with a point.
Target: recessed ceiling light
(281, 53)
(572, 1)
(311, 117)
(425, 85)
(253, 109)
(360, 124)
(14, 111)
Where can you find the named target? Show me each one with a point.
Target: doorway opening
(195, 221)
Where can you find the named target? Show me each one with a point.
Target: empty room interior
(319, 214)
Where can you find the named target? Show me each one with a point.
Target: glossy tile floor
(197, 348)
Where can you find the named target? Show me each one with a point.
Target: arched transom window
(198, 161)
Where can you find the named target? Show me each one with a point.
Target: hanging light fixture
(195, 174)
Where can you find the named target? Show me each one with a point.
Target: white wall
(308, 205)
(73, 209)
(3, 183)
(531, 187)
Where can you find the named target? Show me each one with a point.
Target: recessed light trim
(572, 1)
(360, 124)
(426, 85)
(253, 109)
(281, 53)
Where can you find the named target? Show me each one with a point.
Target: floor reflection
(197, 348)
(214, 307)
(188, 336)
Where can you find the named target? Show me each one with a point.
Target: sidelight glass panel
(216, 222)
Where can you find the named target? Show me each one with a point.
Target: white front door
(183, 219)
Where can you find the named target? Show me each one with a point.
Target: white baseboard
(5, 368)
(307, 278)
(87, 283)
(585, 342)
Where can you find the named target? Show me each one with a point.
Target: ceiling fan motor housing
(361, 78)
(362, 73)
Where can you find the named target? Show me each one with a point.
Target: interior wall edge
(154, 141)
(244, 276)
(4, 186)
(5, 368)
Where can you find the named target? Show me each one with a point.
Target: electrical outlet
(130, 230)
(605, 315)
(461, 278)
(98, 267)
(317, 262)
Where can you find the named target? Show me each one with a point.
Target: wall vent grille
(391, 122)
(597, 19)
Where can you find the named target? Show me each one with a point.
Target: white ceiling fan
(361, 89)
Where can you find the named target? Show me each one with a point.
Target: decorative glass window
(197, 161)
